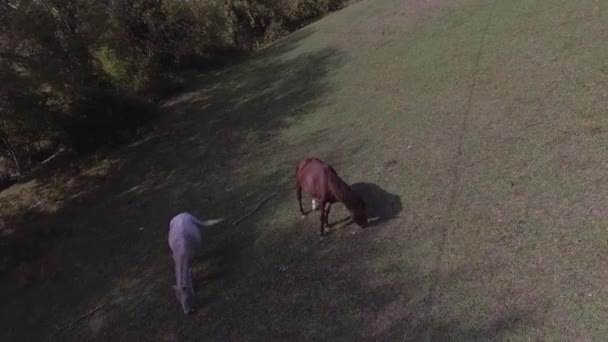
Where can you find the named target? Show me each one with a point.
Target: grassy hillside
(475, 129)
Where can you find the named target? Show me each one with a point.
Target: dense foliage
(80, 72)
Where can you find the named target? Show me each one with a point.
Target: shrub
(79, 69)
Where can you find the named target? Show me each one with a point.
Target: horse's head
(186, 298)
(359, 213)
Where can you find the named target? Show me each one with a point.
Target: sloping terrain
(475, 129)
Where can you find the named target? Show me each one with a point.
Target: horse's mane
(341, 190)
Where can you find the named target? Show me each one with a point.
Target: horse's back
(311, 166)
(306, 163)
(312, 176)
(184, 233)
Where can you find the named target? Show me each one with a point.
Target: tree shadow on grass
(207, 153)
(209, 128)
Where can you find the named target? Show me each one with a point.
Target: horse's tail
(298, 170)
(212, 222)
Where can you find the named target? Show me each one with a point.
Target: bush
(79, 69)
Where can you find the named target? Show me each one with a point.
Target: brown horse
(322, 182)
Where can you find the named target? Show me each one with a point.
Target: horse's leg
(299, 197)
(192, 290)
(190, 280)
(327, 213)
(323, 218)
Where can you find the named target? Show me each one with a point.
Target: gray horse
(185, 243)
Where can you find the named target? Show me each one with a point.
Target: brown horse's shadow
(382, 206)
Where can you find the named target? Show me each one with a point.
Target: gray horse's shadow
(382, 206)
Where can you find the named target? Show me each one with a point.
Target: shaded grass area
(487, 193)
(192, 163)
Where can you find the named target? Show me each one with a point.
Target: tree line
(83, 73)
